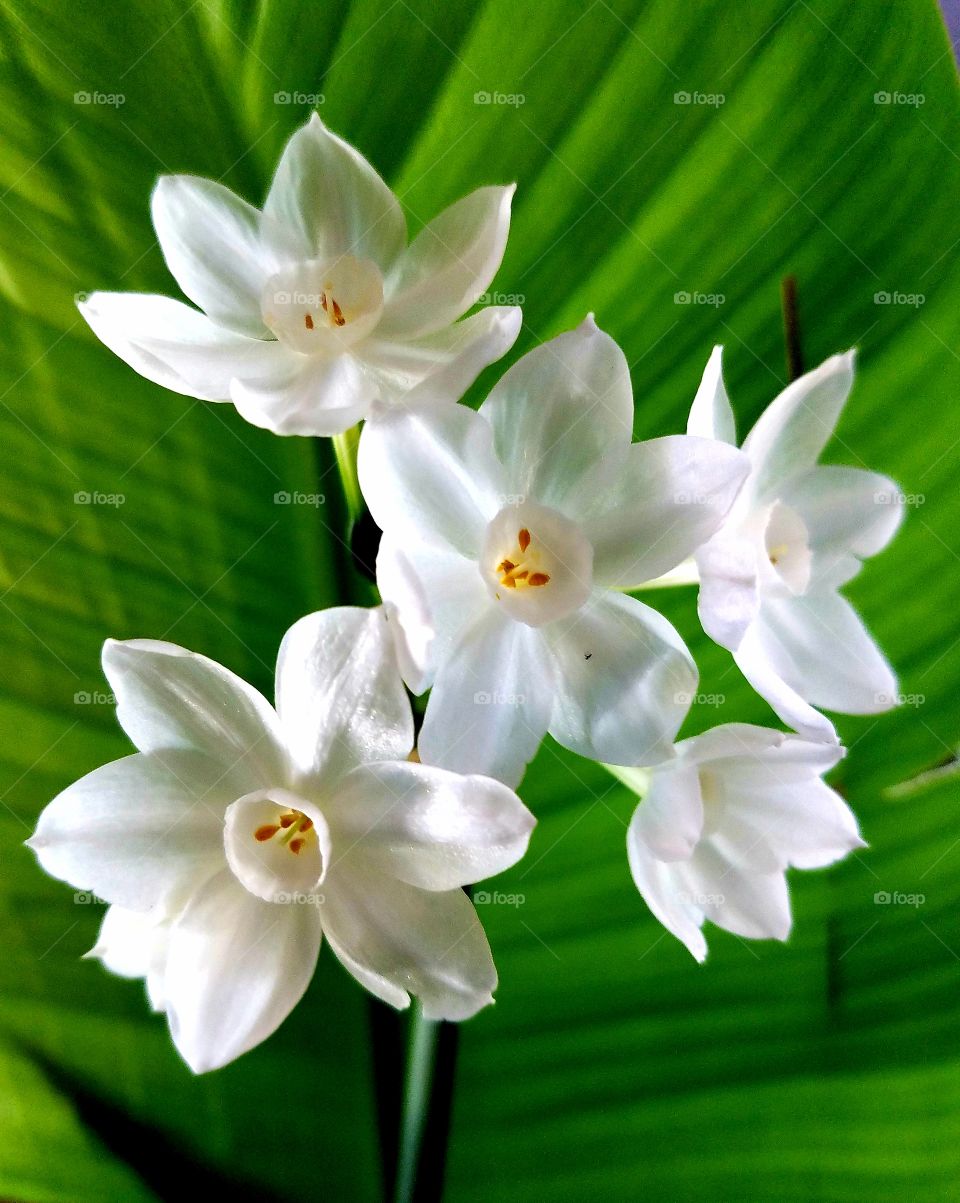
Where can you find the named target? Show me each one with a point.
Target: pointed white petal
(656, 506)
(430, 475)
(753, 905)
(670, 817)
(624, 681)
(398, 940)
(754, 662)
(406, 604)
(326, 201)
(236, 968)
(339, 695)
(306, 395)
(664, 891)
(448, 266)
(210, 239)
(168, 697)
(711, 416)
(442, 366)
(177, 347)
(134, 944)
(819, 646)
(796, 426)
(729, 594)
(558, 411)
(846, 510)
(491, 700)
(139, 831)
(760, 745)
(429, 827)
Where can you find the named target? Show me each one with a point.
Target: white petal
(796, 426)
(442, 366)
(729, 594)
(134, 944)
(429, 827)
(753, 660)
(670, 817)
(306, 395)
(654, 508)
(398, 940)
(449, 264)
(846, 510)
(168, 697)
(236, 968)
(624, 681)
(406, 605)
(177, 347)
(444, 596)
(711, 416)
(558, 411)
(139, 831)
(430, 475)
(326, 201)
(210, 239)
(753, 905)
(664, 891)
(760, 745)
(339, 695)
(819, 646)
(491, 700)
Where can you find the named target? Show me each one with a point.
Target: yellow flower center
(519, 570)
(292, 829)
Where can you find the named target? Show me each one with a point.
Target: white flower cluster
(242, 834)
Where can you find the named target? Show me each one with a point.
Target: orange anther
(306, 824)
(287, 820)
(523, 538)
(308, 321)
(266, 832)
(506, 566)
(538, 578)
(296, 845)
(338, 317)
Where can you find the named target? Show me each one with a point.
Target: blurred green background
(674, 162)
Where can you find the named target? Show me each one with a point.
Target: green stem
(345, 448)
(424, 1034)
(637, 780)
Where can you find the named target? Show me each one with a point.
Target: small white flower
(769, 578)
(314, 308)
(523, 523)
(239, 835)
(723, 820)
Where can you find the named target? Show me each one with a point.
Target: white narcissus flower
(721, 823)
(769, 578)
(315, 307)
(524, 522)
(240, 835)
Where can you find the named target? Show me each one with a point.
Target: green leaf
(611, 1063)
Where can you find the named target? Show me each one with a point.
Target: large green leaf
(611, 1064)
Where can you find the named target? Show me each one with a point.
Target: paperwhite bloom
(523, 522)
(238, 835)
(769, 578)
(721, 823)
(314, 307)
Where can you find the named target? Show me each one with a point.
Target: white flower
(315, 307)
(769, 578)
(239, 835)
(723, 820)
(523, 522)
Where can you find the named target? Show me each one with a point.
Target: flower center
(786, 542)
(277, 844)
(320, 308)
(536, 563)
